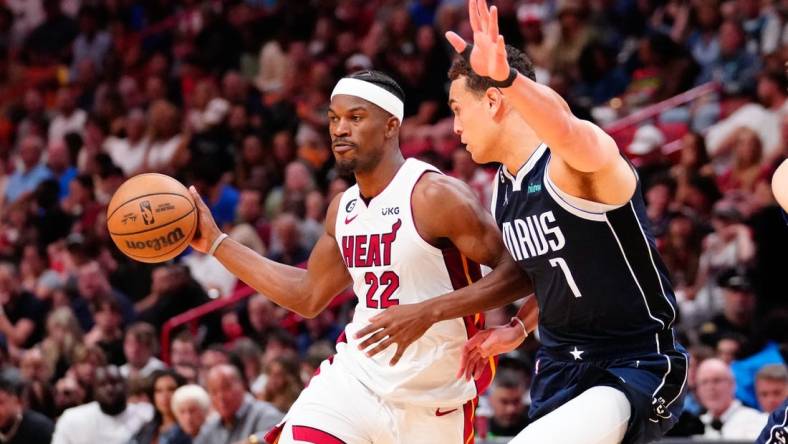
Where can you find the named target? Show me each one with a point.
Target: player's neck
(517, 142)
(373, 182)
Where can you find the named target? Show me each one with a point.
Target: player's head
(479, 107)
(364, 118)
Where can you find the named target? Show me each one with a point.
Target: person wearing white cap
(405, 233)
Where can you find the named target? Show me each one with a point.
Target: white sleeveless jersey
(391, 264)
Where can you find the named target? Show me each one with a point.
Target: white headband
(371, 93)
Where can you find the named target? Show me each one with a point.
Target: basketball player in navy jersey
(572, 216)
(776, 430)
(403, 234)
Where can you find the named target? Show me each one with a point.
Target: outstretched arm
(445, 208)
(581, 145)
(306, 292)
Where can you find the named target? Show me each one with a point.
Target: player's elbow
(587, 148)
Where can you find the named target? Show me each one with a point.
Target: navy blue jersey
(776, 430)
(597, 274)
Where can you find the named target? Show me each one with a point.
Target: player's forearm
(529, 313)
(548, 114)
(282, 284)
(504, 285)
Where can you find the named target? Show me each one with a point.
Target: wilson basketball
(780, 185)
(151, 218)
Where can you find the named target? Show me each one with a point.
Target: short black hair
(382, 80)
(474, 82)
(11, 382)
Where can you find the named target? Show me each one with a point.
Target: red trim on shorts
(313, 435)
(469, 414)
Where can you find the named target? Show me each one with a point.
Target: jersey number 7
(560, 262)
(390, 281)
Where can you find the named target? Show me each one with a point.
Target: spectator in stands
(34, 275)
(694, 160)
(69, 118)
(298, 183)
(729, 345)
(50, 41)
(21, 314)
(509, 413)
(191, 405)
(726, 417)
(60, 165)
(737, 312)
(92, 284)
(322, 327)
(771, 386)
(110, 419)
(139, 347)
(212, 356)
(37, 373)
(68, 393)
(261, 319)
(129, 152)
(736, 68)
(287, 239)
(283, 382)
(730, 245)
(240, 415)
(92, 42)
(81, 204)
(63, 337)
(23, 182)
(680, 250)
(107, 333)
(248, 355)
(165, 144)
(765, 118)
(746, 163)
(163, 428)
(85, 362)
(18, 424)
(574, 34)
(184, 351)
(703, 41)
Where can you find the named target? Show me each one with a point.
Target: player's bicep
(455, 213)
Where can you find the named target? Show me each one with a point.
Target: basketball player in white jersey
(403, 234)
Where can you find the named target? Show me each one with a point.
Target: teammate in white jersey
(404, 234)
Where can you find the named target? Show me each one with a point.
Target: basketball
(151, 218)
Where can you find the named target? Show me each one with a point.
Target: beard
(346, 167)
(113, 408)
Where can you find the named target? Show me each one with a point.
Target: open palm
(488, 56)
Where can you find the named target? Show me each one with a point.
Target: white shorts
(336, 408)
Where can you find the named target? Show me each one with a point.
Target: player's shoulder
(434, 187)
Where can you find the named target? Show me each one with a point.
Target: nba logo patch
(147, 212)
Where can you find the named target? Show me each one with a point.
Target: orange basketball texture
(151, 218)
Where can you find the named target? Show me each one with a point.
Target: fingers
(501, 46)
(366, 330)
(373, 339)
(400, 350)
(380, 347)
(493, 24)
(473, 15)
(457, 42)
(480, 364)
(484, 15)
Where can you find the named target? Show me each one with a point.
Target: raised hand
(488, 55)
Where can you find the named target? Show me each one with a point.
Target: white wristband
(216, 243)
(522, 324)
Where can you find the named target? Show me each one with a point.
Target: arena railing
(623, 128)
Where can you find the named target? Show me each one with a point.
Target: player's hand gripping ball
(151, 218)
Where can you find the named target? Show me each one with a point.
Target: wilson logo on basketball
(157, 243)
(147, 213)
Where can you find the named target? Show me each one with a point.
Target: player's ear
(392, 127)
(494, 100)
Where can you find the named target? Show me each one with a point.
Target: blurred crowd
(231, 96)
